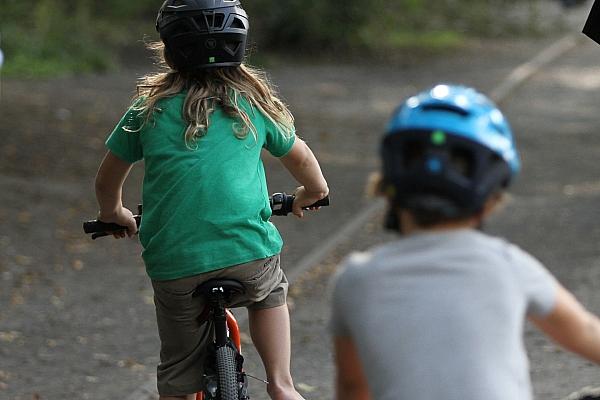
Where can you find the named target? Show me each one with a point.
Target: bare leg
(270, 331)
(188, 397)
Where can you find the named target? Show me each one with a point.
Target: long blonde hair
(210, 88)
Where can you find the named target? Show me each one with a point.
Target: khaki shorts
(184, 337)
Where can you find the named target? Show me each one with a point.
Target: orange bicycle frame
(234, 335)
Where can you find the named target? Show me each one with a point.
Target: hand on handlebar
(123, 217)
(122, 222)
(303, 199)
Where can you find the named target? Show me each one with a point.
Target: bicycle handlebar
(281, 205)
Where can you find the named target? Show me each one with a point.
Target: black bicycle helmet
(203, 33)
(446, 150)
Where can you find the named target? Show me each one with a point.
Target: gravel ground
(76, 317)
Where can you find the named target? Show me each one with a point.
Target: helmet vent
(201, 23)
(209, 21)
(413, 153)
(446, 107)
(417, 153)
(232, 47)
(463, 162)
(218, 20)
(238, 24)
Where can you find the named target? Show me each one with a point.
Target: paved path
(86, 308)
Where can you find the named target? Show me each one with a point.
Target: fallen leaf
(101, 357)
(131, 364)
(77, 265)
(306, 387)
(59, 291)
(9, 337)
(24, 217)
(57, 302)
(78, 247)
(23, 261)
(17, 299)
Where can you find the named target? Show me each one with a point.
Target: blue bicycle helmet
(446, 150)
(203, 33)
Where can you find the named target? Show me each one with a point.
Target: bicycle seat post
(217, 301)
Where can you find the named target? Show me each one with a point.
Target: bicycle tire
(227, 374)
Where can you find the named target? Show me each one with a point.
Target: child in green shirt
(200, 127)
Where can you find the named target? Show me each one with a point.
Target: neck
(409, 226)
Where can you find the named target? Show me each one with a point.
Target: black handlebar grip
(99, 227)
(282, 203)
(324, 202)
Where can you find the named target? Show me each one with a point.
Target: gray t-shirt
(441, 315)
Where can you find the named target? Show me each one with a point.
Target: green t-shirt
(204, 209)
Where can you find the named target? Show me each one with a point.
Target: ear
(492, 204)
(374, 186)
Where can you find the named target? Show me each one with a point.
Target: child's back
(215, 191)
(445, 304)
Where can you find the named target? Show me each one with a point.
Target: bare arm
(351, 383)
(304, 167)
(572, 326)
(109, 188)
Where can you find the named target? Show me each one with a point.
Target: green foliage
(50, 37)
(308, 23)
(327, 26)
(53, 37)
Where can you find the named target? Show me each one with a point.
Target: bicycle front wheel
(226, 372)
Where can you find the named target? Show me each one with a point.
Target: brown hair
(209, 88)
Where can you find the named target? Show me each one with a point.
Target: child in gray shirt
(439, 313)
